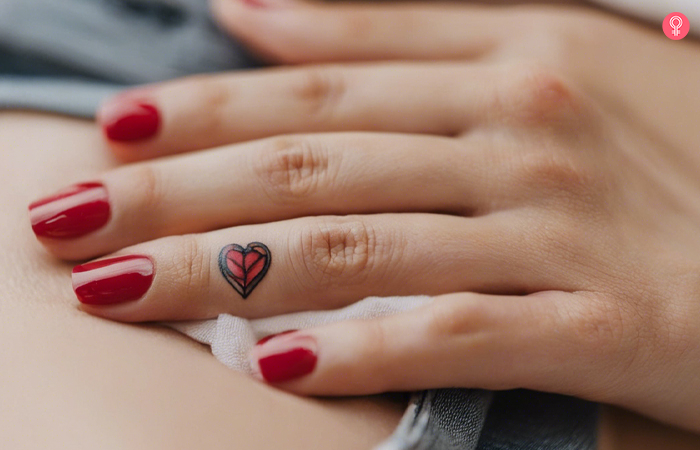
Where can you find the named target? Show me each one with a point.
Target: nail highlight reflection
(115, 280)
(71, 213)
(285, 357)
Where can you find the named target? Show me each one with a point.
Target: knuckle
(455, 316)
(320, 90)
(216, 95)
(191, 269)
(541, 97)
(340, 253)
(293, 168)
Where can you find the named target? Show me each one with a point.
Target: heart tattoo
(243, 268)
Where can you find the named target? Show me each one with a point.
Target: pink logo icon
(676, 26)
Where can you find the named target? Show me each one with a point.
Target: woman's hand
(626, 66)
(570, 228)
(72, 381)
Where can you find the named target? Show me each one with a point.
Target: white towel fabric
(231, 338)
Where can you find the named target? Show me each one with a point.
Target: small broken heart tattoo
(243, 268)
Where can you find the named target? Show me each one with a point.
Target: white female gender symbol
(676, 23)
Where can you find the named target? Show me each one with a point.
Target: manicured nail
(71, 213)
(126, 118)
(115, 280)
(285, 356)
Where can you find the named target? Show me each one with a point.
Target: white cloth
(231, 338)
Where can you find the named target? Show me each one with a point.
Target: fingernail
(115, 280)
(285, 356)
(126, 118)
(71, 213)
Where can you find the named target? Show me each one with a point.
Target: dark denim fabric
(470, 419)
(67, 55)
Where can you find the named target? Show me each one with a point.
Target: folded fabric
(443, 419)
(231, 338)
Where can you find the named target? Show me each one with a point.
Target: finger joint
(192, 268)
(341, 253)
(294, 169)
(320, 90)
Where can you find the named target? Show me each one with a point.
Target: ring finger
(314, 263)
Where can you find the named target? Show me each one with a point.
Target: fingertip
(69, 215)
(111, 281)
(131, 123)
(285, 357)
(129, 117)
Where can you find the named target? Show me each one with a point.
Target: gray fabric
(70, 96)
(445, 419)
(124, 41)
(526, 420)
(466, 419)
(67, 55)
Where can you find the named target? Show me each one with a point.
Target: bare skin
(74, 381)
(617, 432)
(69, 380)
(541, 161)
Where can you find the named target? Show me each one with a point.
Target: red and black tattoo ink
(243, 268)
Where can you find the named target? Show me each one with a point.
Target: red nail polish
(267, 338)
(126, 119)
(286, 357)
(73, 212)
(115, 280)
(286, 366)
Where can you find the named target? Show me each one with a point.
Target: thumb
(299, 31)
(541, 342)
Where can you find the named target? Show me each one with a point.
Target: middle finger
(276, 179)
